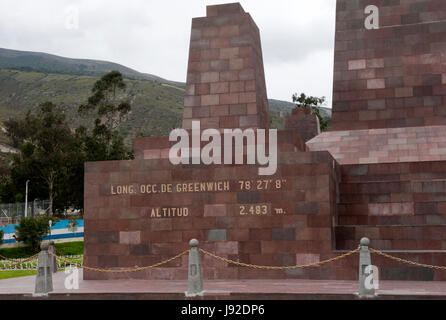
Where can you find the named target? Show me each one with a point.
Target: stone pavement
(22, 288)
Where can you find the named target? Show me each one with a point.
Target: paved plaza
(22, 288)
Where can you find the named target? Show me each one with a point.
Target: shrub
(32, 230)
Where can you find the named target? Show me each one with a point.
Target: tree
(104, 142)
(15, 131)
(47, 146)
(106, 101)
(32, 230)
(52, 155)
(315, 103)
(4, 182)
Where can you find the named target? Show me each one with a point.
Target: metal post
(195, 276)
(26, 200)
(366, 288)
(44, 277)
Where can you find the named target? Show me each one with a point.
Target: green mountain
(48, 63)
(28, 79)
(157, 108)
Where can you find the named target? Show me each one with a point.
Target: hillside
(28, 79)
(48, 63)
(156, 108)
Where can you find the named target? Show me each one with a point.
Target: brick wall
(121, 233)
(225, 80)
(394, 76)
(383, 145)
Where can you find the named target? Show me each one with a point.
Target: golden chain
(21, 262)
(240, 264)
(317, 264)
(406, 261)
(7, 259)
(124, 270)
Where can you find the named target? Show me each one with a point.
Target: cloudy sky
(152, 36)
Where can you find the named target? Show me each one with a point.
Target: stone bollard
(52, 249)
(365, 262)
(44, 277)
(195, 276)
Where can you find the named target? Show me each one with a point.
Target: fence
(31, 263)
(11, 213)
(195, 279)
(60, 230)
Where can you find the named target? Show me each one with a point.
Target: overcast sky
(152, 36)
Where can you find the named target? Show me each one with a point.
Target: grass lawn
(16, 274)
(70, 248)
(20, 273)
(63, 249)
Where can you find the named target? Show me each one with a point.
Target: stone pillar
(304, 122)
(52, 249)
(365, 261)
(225, 80)
(195, 275)
(44, 280)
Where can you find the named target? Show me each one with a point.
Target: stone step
(349, 198)
(437, 186)
(390, 209)
(420, 220)
(388, 237)
(427, 170)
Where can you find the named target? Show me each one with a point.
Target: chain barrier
(252, 266)
(388, 256)
(137, 269)
(19, 263)
(8, 259)
(240, 264)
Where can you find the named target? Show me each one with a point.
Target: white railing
(14, 264)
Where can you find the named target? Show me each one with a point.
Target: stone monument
(389, 130)
(383, 177)
(143, 211)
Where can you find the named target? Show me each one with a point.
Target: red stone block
(204, 223)
(248, 97)
(237, 86)
(229, 31)
(161, 225)
(323, 221)
(219, 43)
(230, 98)
(238, 235)
(210, 54)
(228, 247)
(194, 55)
(247, 74)
(229, 76)
(260, 234)
(133, 237)
(220, 87)
(162, 274)
(227, 273)
(218, 210)
(229, 122)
